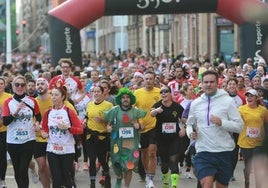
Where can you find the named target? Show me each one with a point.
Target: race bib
(169, 128)
(253, 132)
(58, 149)
(126, 132)
(22, 134)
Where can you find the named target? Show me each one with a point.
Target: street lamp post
(171, 35)
(8, 33)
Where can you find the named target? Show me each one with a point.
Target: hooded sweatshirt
(212, 137)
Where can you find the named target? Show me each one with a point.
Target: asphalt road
(82, 179)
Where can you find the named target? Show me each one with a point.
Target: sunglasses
(164, 91)
(20, 84)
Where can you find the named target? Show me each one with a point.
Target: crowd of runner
(135, 111)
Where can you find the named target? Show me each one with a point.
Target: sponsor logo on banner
(259, 42)
(68, 40)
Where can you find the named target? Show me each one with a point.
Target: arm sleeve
(140, 113)
(186, 111)
(45, 122)
(234, 123)
(36, 107)
(76, 127)
(190, 121)
(7, 120)
(38, 117)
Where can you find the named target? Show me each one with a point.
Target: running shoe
(102, 180)
(232, 178)
(150, 184)
(85, 166)
(3, 184)
(34, 177)
(188, 175)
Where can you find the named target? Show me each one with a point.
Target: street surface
(82, 179)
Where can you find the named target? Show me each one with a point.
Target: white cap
(252, 92)
(261, 61)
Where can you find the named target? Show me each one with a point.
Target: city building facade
(190, 34)
(32, 25)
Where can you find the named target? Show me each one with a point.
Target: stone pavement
(82, 179)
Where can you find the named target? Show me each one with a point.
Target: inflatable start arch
(66, 20)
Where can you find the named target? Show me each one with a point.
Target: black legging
(172, 164)
(185, 141)
(3, 155)
(98, 149)
(84, 147)
(61, 167)
(21, 155)
(168, 151)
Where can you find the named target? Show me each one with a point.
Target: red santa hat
(139, 73)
